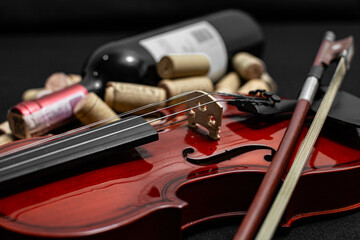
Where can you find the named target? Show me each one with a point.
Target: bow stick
(277, 209)
(329, 50)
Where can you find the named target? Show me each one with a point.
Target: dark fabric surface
(27, 58)
(95, 14)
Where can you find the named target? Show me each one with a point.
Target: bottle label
(200, 37)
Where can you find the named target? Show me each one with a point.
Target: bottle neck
(93, 84)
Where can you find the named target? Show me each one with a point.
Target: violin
(138, 179)
(177, 177)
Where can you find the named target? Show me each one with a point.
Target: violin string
(120, 122)
(79, 129)
(95, 139)
(160, 128)
(70, 132)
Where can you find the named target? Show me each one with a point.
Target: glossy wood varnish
(153, 192)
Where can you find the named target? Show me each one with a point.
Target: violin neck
(124, 134)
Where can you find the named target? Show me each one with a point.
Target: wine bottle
(219, 36)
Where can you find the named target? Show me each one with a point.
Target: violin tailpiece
(204, 110)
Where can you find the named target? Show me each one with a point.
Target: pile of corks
(185, 73)
(180, 74)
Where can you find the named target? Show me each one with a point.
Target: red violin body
(156, 190)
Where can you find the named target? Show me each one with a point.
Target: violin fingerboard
(124, 134)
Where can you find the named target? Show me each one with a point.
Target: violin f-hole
(228, 154)
(204, 111)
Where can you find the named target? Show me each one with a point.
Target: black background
(38, 38)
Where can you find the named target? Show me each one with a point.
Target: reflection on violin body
(124, 192)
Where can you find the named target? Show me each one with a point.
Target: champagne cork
(229, 83)
(178, 86)
(123, 97)
(59, 80)
(92, 109)
(253, 84)
(248, 66)
(175, 66)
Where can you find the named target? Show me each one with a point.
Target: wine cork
(178, 86)
(74, 78)
(175, 66)
(229, 83)
(92, 109)
(54, 82)
(5, 128)
(59, 80)
(6, 135)
(123, 97)
(253, 84)
(6, 138)
(270, 81)
(248, 66)
(35, 93)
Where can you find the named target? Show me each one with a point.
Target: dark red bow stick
(329, 50)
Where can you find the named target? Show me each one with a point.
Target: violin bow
(329, 50)
(277, 209)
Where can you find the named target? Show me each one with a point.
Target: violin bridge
(204, 111)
